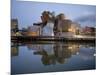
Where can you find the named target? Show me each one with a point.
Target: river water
(37, 57)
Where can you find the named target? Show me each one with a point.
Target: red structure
(89, 30)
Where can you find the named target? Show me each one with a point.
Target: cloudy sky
(29, 12)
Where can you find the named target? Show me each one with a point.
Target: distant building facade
(65, 27)
(89, 31)
(52, 25)
(48, 29)
(48, 23)
(14, 26)
(75, 28)
(34, 31)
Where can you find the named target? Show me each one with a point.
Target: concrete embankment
(50, 38)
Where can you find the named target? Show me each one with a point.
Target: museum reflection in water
(54, 53)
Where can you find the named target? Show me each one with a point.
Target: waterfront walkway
(53, 38)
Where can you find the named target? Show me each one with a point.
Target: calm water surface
(51, 57)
